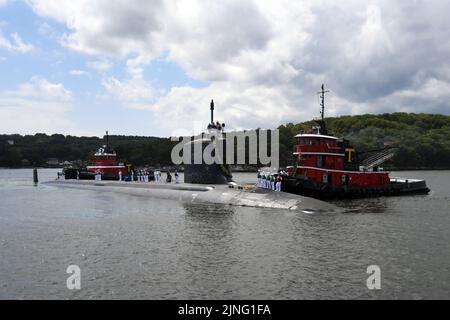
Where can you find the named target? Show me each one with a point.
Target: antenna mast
(322, 103)
(107, 141)
(323, 129)
(212, 111)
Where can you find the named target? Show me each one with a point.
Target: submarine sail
(208, 173)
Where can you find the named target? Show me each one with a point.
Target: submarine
(205, 183)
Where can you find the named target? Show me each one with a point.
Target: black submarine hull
(231, 194)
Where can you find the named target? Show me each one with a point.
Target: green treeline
(423, 142)
(38, 149)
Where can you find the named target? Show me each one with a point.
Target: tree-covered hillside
(423, 140)
(17, 150)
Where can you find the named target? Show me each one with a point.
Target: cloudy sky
(140, 67)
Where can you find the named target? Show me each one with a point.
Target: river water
(130, 247)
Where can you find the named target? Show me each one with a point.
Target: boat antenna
(212, 111)
(323, 129)
(322, 103)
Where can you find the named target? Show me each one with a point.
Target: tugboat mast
(322, 104)
(107, 142)
(323, 129)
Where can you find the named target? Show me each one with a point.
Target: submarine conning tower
(208, 173)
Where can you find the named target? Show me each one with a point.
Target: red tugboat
(328, 167)
(105, 164)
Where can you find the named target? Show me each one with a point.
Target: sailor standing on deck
(272, 181)
(269, 181)
(266, 180)
(120, 175)
(278, 182)
(177, 178)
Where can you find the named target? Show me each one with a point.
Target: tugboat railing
(378, 158)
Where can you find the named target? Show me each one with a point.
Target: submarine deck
(247, 195)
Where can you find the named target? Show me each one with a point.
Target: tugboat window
(320, 161)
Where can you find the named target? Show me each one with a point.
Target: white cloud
(15, 43)
(129, 25)
(133, 92)
(48, 31)
(239, 108)
(100, 65)
(37, 106)
(77, 72)
(264, 60)
(3, 3)
(42, 89)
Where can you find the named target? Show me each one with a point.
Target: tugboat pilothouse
(327, 166)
